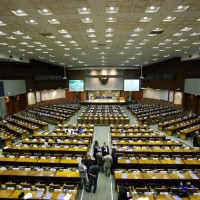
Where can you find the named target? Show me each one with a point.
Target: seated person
(80, 130)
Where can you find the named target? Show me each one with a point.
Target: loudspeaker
(21, 195)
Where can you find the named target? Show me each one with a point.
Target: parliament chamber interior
(77, 75)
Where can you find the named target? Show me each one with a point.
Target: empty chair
(54, 187)
(10, 185)
(141, 190)
(193, 190)
(160, 189)
(40, 186)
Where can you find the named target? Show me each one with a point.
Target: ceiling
(82, 34)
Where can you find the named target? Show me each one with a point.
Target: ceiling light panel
(87, 20)
(19, 13)
(181, 8)
(2, 23)
(169, 19)
(152, 9)
(54, 21)
(45, 12)
(84, 10)
(111, 9)
(31, 22)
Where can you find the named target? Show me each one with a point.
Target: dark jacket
(123, 193)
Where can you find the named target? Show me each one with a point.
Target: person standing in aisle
(105, 149)
(107, 164)
(100, 162)
(93, 177)
(96, 149)
(115, 161)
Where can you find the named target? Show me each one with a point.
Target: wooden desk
(158, 164)
(168, 196)
(62, 150)
(138, 135)
(40, 175)
(13, 194)
(151, 177)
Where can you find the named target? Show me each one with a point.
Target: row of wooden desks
(165, 196)
(154, 163)
(159, 151)
(38, 194)
(138, 135)
(61, 150)
(40, 175)
(151, 177)
(42, 161)
(52, 142)
(63, 135)
(146, 143)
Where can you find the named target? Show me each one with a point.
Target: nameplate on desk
(67, 196)
(60, 196)
(181, 175)
(176, 197)
(48, 196)
(177, 161)
(124, 176)
(194, 176)
(39, 194)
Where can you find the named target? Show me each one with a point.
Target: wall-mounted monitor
(76, 85)
(131, 85)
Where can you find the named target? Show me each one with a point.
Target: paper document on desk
(194, 176)
(181, 175)
(60, 196)
(28, 195)
(67, 196)
(124, 176)
(143, 198)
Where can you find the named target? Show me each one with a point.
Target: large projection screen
(94, 83)
(131, 85)
(192, 86)
(76, 85)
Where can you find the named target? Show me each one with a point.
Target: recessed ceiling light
(2, 33)
(194, 34)
(138, 29)
(169, 19)
(108, 41)
(45, 12)
(3, 43)
(23, 43)
(67, 49)
(87, 20)
(181, 8)
(19, 13)
(12, 38)
(109, 35)
(109, 30)
(168, 40)
(27, 37)
(182, 40)
(177, 34)
(31, 22)
(145, 19)
(22, 50)
(67, 36)
(177, 50)
(30, 52)
(152, 9)
(134, 34)
(111, 19)
(62, 31)
(84, 10)
(12, 46)
(198, 19)
(54, 21)
(186, 29)
(30, 46)
(93, 41)
(175, 43)
(111, 9)
(51, 36)
(2, 23)
(92, 35)
(90, 30)
(96, 48)
(18, 33)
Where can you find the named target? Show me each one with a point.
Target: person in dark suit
(93, 177)
(115, 161)
(105, 149)
(123, 192)
(96, 149)
(195, 139)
